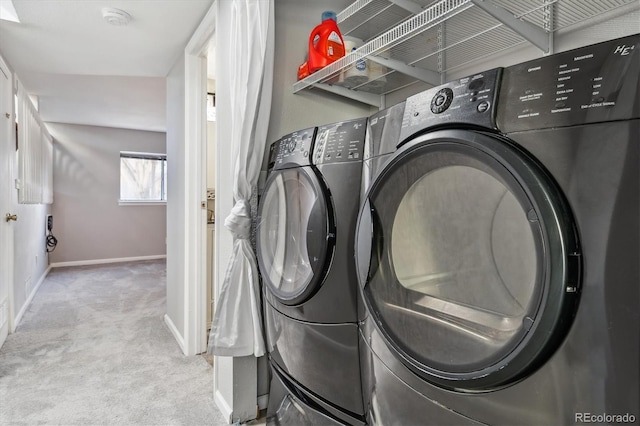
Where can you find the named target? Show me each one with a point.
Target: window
(143, 177)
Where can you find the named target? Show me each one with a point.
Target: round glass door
(293, 234)
(473, 272)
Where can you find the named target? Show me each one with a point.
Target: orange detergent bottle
(325, 43)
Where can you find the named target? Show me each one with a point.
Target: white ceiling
(86, 71)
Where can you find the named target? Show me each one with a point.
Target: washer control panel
(469, 100)
(586, 85)
(340, 142)
(292, 150)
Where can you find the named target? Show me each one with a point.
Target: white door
(6, 227)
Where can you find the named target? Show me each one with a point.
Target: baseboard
(102, 261)
(175, 332)
(223, 406)
(29, 299)
(263, 401)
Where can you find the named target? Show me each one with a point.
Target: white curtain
(237, 322)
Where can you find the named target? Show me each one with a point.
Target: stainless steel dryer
(305, 246)
(498, 248)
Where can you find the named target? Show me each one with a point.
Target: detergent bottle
(325, 43)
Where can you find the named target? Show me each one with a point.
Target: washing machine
(498, 246)
(305, 248)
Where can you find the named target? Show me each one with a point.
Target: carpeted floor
(93, 349)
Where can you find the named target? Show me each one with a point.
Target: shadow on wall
(72, 169)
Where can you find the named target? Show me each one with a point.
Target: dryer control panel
(590, 84)
(469, 101)
(340, 142)
(292, 150)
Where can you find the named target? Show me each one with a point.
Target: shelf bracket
(408, 5)
(422, 74)
(364, 97)
(531, 32)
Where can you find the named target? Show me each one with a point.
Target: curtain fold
(237, 322)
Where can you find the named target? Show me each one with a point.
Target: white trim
(225, 409)
(29, 300)
(142, 203)
(263, 401)
(5, 70)
(174, 330)
(195, 236)
(101, 261)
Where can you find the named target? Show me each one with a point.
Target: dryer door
(295, 235)
(471, 268)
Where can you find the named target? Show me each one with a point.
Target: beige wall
(88, 221)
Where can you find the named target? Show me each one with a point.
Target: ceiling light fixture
(116, 17)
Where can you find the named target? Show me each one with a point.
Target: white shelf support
(530, 32)
(421, 74)
(352, 9)
(548, 12)
(408, 5)
(364, 97)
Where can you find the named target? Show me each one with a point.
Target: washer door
(295, 235)
(468, 260)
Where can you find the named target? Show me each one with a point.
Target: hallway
(93, 348)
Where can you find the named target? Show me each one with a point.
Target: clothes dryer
(498, 248)
(305, 246)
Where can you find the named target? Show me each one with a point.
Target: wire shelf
(444, 35)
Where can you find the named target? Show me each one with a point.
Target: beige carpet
(93, 349)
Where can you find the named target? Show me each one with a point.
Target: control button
(598, 100)
(415, 114)
(474, 93)
(338, 155)
(476, 84)
(473, 99)
(483, 106)
(328, 156)
(560, 104)
(441, 100)
(306, 153)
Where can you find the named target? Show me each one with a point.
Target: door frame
(235, 383)
(6, 229)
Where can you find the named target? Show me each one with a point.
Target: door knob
(10, 216)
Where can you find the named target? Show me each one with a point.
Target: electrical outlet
(48, 225)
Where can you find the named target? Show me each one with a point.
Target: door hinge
(6, 114)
